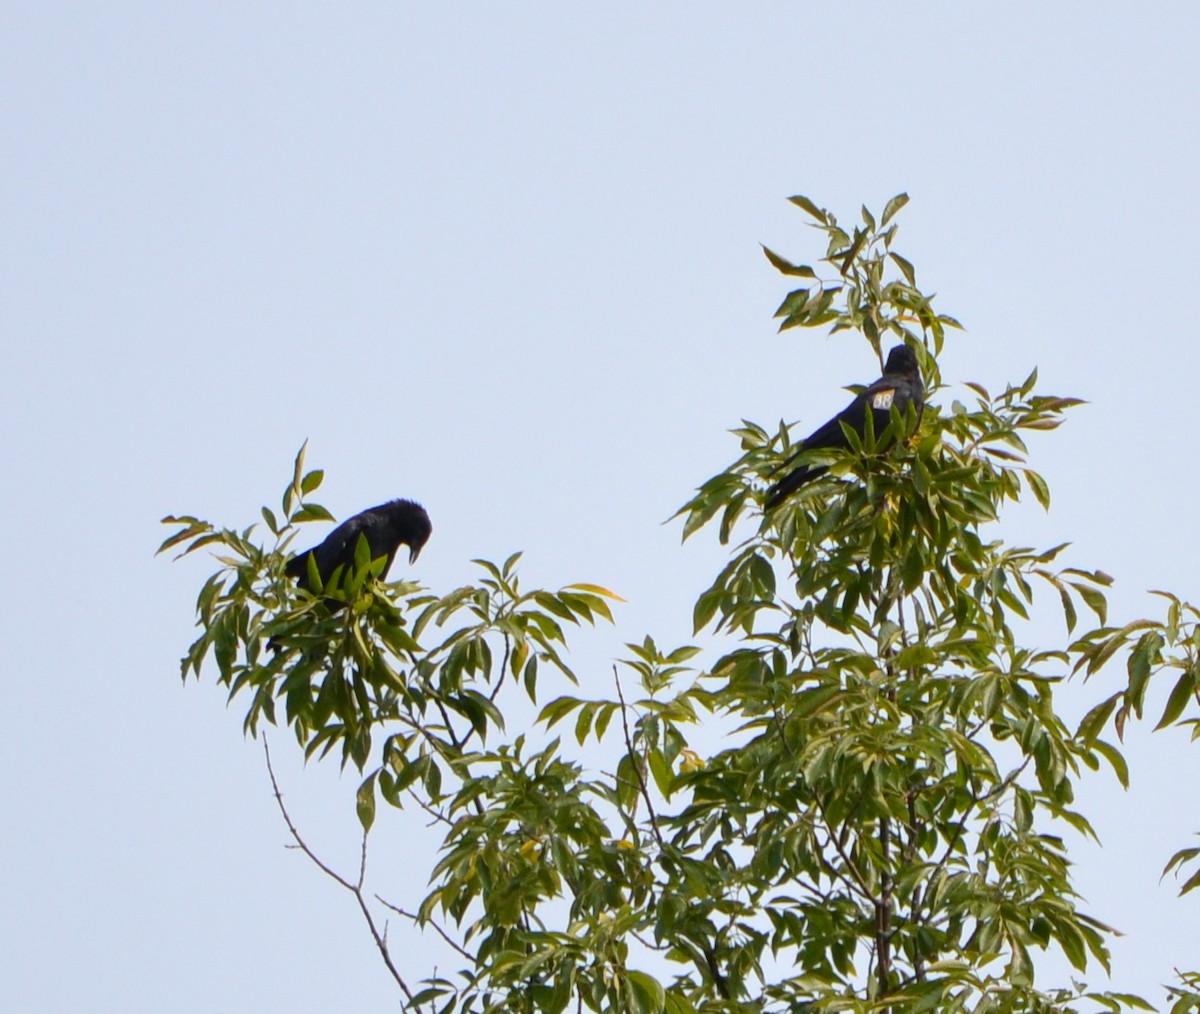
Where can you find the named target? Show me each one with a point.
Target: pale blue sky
(504, 259)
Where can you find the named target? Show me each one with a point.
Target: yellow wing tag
(883, 399)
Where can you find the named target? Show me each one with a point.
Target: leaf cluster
(337, 662)
(859, 288)
(878, 826)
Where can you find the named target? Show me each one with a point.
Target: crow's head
(901, 359)
(411, 525)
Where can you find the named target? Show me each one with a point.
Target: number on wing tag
(883, 399)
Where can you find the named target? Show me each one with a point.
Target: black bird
(386, 527)
(900, 386)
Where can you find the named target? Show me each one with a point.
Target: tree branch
(355, 889)
(883, 910)
(636, 768)
(416, 922)
(503, 671)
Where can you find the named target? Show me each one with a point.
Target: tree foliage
(880, 825)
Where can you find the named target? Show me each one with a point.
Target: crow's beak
(413, 553)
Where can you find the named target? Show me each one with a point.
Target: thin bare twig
(355, 889)
(454, 740)
(440, 932)
(856, 881)
(437, 815)
(300, 843)
(648, 944)
(883, 910)
(503, 668)
(910, 853)
(954, 839)
(636, 767)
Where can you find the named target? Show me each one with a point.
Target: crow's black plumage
(900, 386)
(386, 527)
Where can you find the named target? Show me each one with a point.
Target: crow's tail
(791, 482)
(297, 566)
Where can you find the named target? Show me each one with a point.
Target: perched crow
(899, 386)
(385, 526)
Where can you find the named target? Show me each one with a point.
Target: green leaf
(1039, 487)
(677, 1004)
(852, 251)
(595, 589)
(893, 206)
(298, 465)
(1116, 759)
(627, 782)
(1069, 613)
(803, 202)
(795, 304)
(1141, 661)
(1094, 721)
(1184, 691)
(1179, 858)
(583, 722)
(646, 995)
(1191, 883)
(365, 802)
(603, 718)
(1095, 600)
(660, 769)
(558, 709)
(312, 512)
(905, 267)
(706, 608)
(193, 527)
(787, 267)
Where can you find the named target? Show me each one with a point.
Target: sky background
(504, 259)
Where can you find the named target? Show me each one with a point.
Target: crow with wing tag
(899, 387)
